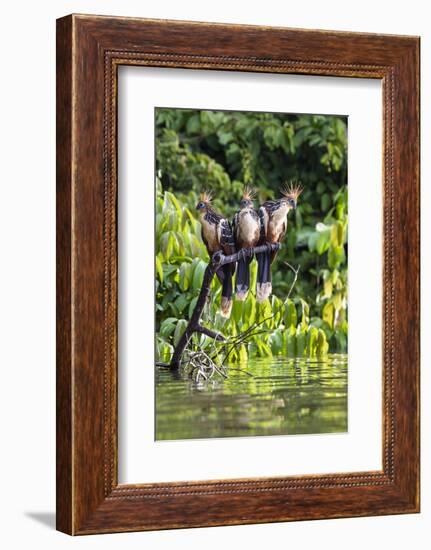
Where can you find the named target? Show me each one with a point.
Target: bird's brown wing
(270, 206)
(227, 239)
(234, 226)
(213, 217)
(263, 215)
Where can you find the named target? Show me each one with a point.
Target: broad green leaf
(337, 300)
(237, 311)
(322, 344)
(312, 241)
(312, 338)
(253, 275)
(168, 326)
(185, 276)
(166, 351)
(290, 316)
(327, 288)
(305, 313)
(170, 245)
(159, 269)
(336, 256)
(192, 306)
(341, 341)
(250, 309)
(334, 236)
(193, 124)
(277, 342)
(322, 242)
(242, 355)
(264, 310)
(328, 314)
(179, 330)
(172, 198)
(300, 342)
(198, 274)
(181, 302)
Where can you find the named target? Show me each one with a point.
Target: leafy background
(222, 151)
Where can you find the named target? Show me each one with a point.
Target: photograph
(251, 273)
(213, 317)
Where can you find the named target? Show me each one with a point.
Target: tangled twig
(200, 366)
(295, 271)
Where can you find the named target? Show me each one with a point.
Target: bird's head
(204, 202)
(290, 195)
(247, 197)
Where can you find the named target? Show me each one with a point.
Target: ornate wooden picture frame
(89, 51)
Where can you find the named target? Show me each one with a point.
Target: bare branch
(295, 271)
(219, 259)
(210, 333)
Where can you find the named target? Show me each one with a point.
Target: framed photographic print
(237, 274)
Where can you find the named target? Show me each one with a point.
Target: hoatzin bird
(273, 224)
(247, 233)
(218, 236)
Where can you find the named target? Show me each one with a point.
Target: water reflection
(283, 396)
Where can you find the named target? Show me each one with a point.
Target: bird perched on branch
(273, 225)
(218, 236)
(246, 227)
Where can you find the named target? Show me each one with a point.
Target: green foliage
(180, 264)
(221, 151)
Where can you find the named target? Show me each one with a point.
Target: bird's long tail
(264, 284)
(243, 278)
(227, 291)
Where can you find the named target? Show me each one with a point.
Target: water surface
(283, 396)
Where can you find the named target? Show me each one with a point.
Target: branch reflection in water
(281, 397)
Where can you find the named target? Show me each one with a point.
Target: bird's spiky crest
(206, 197)
(249, 193)
(292, 191)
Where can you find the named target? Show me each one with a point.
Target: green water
(283, 396)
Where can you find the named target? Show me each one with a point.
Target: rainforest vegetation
(222, 151)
